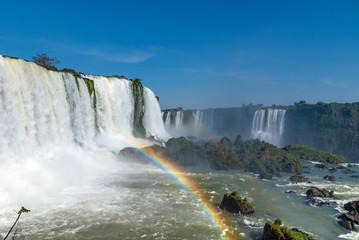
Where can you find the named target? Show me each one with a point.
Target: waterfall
(152, 120)
(40, 107)
(268, 125)
(53, 140)
(115, 105)
(168, 119)
(197, 115)
(179, 119)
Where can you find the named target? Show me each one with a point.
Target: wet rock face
(316, 192)
(330, 178)
(352, 206)
(348, 220)
(298, 178)
(235, 204)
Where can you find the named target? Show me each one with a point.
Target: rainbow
(216, 217)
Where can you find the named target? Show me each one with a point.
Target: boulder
(330, 178)
(352, 206)
(274, 231)
(316, 192)
(347, 171)
(349, 219)
(265, 175)
(235, 204)
(298, 178)
(347, 225)
(269, 232)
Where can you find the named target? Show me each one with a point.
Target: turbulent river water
(58, 157)
(140, 201)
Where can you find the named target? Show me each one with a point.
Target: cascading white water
(197, 115)
(115, 105)
(179, 119)
(268, 125)
(152, 120)
(168, 119)
(50, 151)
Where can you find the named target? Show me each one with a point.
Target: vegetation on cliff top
(250, 155)
(309, 153)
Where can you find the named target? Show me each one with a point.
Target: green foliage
(322, 165)
(331, 193)
(331, 127)
(41, 58)
(118, 76)
(137, 87)
(278, 222)
(137, 93)
(282, 232)
(309, 153)
(292, 235)
(73, 72)
(235, 194)
(24, 210)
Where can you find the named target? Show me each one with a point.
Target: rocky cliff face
(330, 127)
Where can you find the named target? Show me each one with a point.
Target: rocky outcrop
(298, 178)
(274, 231)
(330, 178)
(316, 192)
(235, 204)
(349, 219)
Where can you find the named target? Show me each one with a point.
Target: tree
(22, 210)
(44, 60)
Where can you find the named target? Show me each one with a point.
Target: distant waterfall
(197, 115)
(168, 119)
(268, 125)
(179, 119)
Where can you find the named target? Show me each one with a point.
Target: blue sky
(199, 54)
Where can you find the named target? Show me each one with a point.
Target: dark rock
(321, 204)
(354, 176)
(269, 232)
(347, 171)
(316, 192)
(347, 225)
(290, 192)
(352, 217)
(235, 204)
(332, 170)
(352, 206)
(306, 172)
(298, 178)
(311, 201)
(322, 165)
(275, 231)
(265, 175)
(330, 178)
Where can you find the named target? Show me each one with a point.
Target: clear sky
(199, 54)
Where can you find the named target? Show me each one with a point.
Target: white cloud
(111, 53)
(335, 84)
